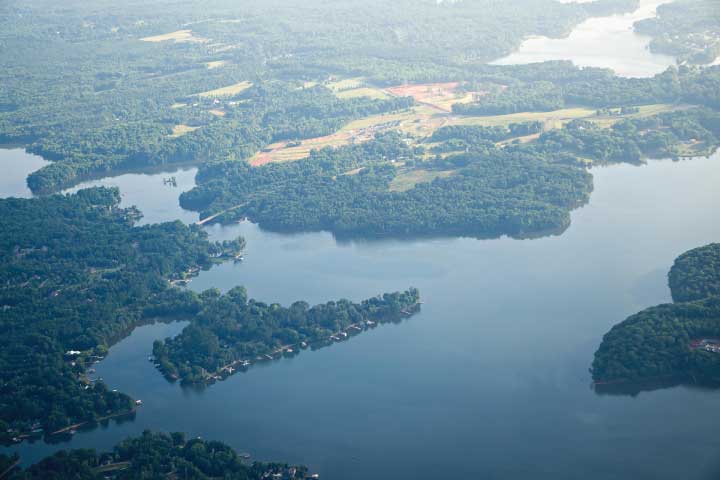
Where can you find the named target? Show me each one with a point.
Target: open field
(180, 130)
(440, 96)
(282, 152)
(346, 84)
(363, 92)
(421, 121)
(228, 91)
(179, 36)
(407, 180)
(645, 111)
(553, 119)
(216, 64)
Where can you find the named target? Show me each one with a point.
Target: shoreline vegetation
(685, 29)
(155, 101)
(76, 275)
(153, 455)
(668, 344)
(231, 333)
(473, 179)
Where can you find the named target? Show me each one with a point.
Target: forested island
(152, 455)
(677, 342)
(231, 333)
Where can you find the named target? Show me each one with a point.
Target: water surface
(15, 165)
(607, 42)
(153, 192)
(489, 381)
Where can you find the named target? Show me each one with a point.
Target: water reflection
(15, 165)
(606, 42)
(155, 192)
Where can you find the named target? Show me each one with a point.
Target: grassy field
(363, 92)
(216, 64)
(408, 179)
(179, 36)
(645, 111)
(421, 121)
(554, 119)
(228, 91)
(346, 84)
(180, 130)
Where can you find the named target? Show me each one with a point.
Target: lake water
(489, 381)
(607, 42)
(158, 198)
(15, 165)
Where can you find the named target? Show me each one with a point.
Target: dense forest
(230, 332)
(686, 29)
(75, 274)
(466, 180)
(672, 341)
(154, 456)
(99, 89)
(347, 191)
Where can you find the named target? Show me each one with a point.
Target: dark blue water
(489, 381)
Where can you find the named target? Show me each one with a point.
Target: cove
(490, 380)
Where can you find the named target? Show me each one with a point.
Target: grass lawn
(228, 91)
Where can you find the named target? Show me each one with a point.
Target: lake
(607, 42)
(491, 379)
(494, 369)
(15, 165)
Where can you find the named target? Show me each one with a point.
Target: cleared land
(420, 122)
(178, 36)
(363, 92)
(180, 130)
(407, 180)
(346, 84)
(228, 91)
(216, 64)
(440, 96)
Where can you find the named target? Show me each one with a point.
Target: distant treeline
(152, 456)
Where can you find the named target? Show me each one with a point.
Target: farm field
(362, 92)
(216, 64)
(180, 130)
(228, 91)
(179, 36)
(434, 112)
(440, 96)
(408, 179)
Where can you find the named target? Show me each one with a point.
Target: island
(230, 333)
(153, 455)
(673, 343)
